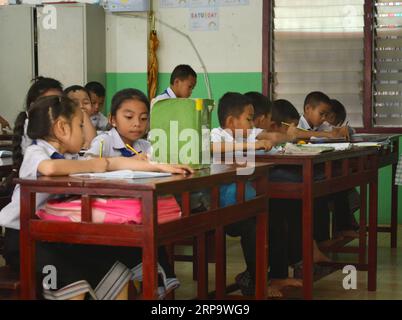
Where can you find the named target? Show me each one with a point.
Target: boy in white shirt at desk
(182, 82)
(317, 107)
(97, 95)
(237, 134)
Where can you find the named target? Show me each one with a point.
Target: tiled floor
(331, 287)
(389, 275)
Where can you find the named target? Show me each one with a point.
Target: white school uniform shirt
(222, 135)
(34, 155)
(303, 124)
(99, 121)
(112, 142)
(25, 140)
(167, 94)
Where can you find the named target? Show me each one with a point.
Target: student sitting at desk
(97, 94)
(56, 128)
(263, 120)
(236, 116)
(182, 82)
(312, 123)
(286, 214)
(344, 219)
(129, 117)
(318, 109)
(284, 115)
(237, 133)
(285, 222)
(80, 95)
(41, 87)
(337, 116)
(344, 203)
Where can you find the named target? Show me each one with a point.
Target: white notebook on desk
(337, 146)
(123, 174)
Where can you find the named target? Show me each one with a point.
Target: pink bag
(108, 210)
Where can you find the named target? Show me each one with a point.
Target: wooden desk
(357, 168)
(389, 157)
(149, 235)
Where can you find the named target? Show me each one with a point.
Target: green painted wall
(240, 82)
(119, 81)
(220, 83)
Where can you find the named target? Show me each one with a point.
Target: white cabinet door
(62, 51)
(16, 58)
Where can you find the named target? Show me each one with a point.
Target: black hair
(284, 111)
(127, 94)
(41, 116)
(96, 87)
(182, 72)
(261, 104)
(39, 87)
(231, 104)
(315, 98)
(339, 110)
(75, 88)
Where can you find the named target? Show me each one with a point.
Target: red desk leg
(261, 257)
(202, 268)
(262, 244)
(363, 224)
(149, 250)
(372, 243)
(308, 205)
(394, 209)
(27, 247)
(220, 265)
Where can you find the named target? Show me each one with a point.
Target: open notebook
(294, 149)
(336, 146)
(123, 174)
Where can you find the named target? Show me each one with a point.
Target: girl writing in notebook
(129, 117)
(56, 129)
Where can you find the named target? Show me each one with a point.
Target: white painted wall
(235, 47)
(126, 42)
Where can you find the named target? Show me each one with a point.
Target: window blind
(387, 86)
(318, 45)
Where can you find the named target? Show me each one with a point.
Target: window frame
(267, 75)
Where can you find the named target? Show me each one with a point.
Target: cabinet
(73, 52)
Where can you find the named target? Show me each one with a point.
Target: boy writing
(182, 82)
(317, 107)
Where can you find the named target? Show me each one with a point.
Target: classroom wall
(232, 56)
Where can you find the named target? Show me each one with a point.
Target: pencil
(288, 125)
(101, 148)
(132, 149)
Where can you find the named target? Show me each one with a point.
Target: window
(318, 45)
(387, 59)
